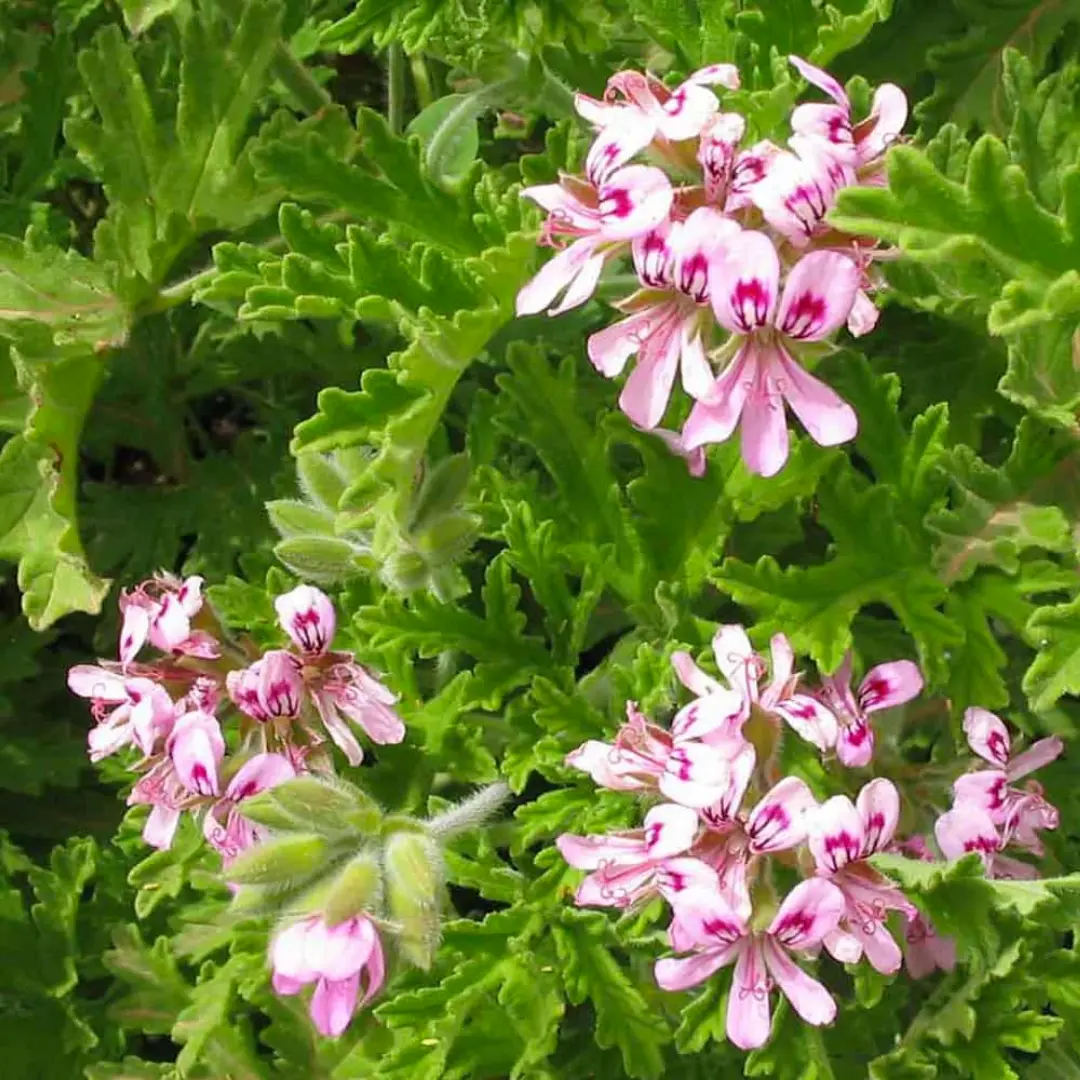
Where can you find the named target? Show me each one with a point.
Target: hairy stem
(470, 814)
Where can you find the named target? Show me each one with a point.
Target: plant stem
(471, 813)
(395, 94)
(297, 80)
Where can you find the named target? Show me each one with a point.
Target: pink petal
(189, 595)
(1035, 757)
(633, 200)
(91, 681)
(134, 631)
(829, 123)
(741, 770)
(837, 834)
(719, 713)
(882, 951)
(818, 294)
(610, 348)
(828, 419)
(160, 827)
(597, 112)
(556, 275)
(717, 150)
(339, 952)
(654, 256)
(280, 686)
(696, 373)
(966, 828)
(583, 285)
(735, 656)
(561, 201)
(686, 671)
(704, 919)
(338, 729)
(986, 790)
(807, 996)
(713, 419)
(259, 773)
(688, 110)
(170, 626)
(987, 736)
(333, 1005)
(307, 615)
(617, 886)
(196, 747)
(285, 986)
(879, 807)
(670, 830)
(696, 775)
(888, 114)
(863, 316)
(779, 821)
(647, 392)
(855, 744)
(676, 973)
(809, 718)
(888, 685)
(843, 946)
(744, 282)
(822, 80)
(288, 952)
(748, 1012)
(594, 852)
(726, 75)
(678, 875)
(375, 971)
(613, 768)
(618, 141)
(764, 442)
(810, 911)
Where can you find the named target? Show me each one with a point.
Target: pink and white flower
(762, 374)
(737, 840)
(339, 960)
(307, 615)
(842, 837)
(718, 713)
(160, 611)
(642, 108)
(884, 687)
(160, 789)
(196, 748)
(225, 827)
(731, 174)
(855, 145)
(599, 220)
(799, 188)
(665, 320)
(141, 712)
(645, 757)
(632, 866)
(1019, 812)
(718, 936)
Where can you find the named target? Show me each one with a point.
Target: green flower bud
(324, 559)
(281, 860)
(293, 518)
(414, 893)
(328, 807)
(356, 887)
(320, 479)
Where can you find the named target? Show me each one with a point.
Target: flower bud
(355, 888)
(414, 891)
(280, 861)
(327, 807)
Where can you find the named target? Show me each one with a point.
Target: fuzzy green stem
(296, 78)
(470, 814)
(395, 94)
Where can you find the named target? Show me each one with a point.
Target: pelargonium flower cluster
(280, 708)
(731, 248)
(756, 871)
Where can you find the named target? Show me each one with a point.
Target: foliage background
(226, 281)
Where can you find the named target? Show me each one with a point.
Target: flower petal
(744, 282)
(715, 417)
(809, 718)
(686, 671)
(889, 685)
(690, 107)
(810, 911)
(618, 141)
(764, 441)
(596, 851)
(97, 683)
(818, 294)
(670, 830)
(645, 397)
(878, 804)
(735, 657)
(966, 828)
(855, 744)
(307, 615)
(828, 419)
(1035, 757)
(696, 775)
(807, 996)
(333, 1005)
(988, 736)
(633, 200)
(822, 80)
(725, 75)
(556, 275)
(680, 973)
(837, 834)
(830, 124)
(888, 114)
(748, 1012)
(779, 821)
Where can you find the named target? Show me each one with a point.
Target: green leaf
(624, 1018)
(140, 15)
(448, 129)
(1055, 671)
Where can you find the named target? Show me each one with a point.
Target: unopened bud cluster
(755, 869)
